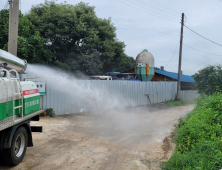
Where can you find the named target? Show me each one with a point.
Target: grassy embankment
(199, 137)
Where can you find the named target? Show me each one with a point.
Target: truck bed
(8, 122)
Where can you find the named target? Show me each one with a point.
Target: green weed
(199, 137)
(178, 103)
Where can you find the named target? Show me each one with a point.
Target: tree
(126, 63)
(89, 64)
(77, 38)
(69, 37)
(31, 46)
(209, 79)
(4, 24)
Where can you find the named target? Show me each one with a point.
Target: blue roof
(184, 78)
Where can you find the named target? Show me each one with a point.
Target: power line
(6, 5)
(152, 10)
(200, 50)
(164, 7)
(147, 12)
(148, 29)
(199, 39)
(173, 53)
(202, 36)
(157, 8)
(197, 42)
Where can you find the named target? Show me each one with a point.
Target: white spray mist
(109, 110)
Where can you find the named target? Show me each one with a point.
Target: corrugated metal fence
(131, 93)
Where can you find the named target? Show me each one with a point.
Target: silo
(144, 66)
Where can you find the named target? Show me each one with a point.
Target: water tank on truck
(19, 104)
(9, 61)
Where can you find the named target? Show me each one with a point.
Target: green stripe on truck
(11, 61)
(3, 109)
(30, 105)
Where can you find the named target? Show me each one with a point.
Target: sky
(155, 25)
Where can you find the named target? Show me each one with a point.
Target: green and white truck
(19, 104)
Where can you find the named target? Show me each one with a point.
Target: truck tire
(16, 153)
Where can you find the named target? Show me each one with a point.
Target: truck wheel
(16, 153)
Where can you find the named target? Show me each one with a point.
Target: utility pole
(180, 58)
(13, 26)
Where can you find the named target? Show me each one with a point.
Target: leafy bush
(208, 79)
(205, 155)
(50, 112)
(199, 137)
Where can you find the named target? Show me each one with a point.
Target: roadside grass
(178, 103)
(199, 137)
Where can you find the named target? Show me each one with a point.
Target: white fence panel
(130, 93)
(189, 95)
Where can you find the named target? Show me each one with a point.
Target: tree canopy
(30, 45)
(209, 79)
(70, 37)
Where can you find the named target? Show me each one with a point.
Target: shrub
(50, 112)
(208, 79)
(199, 136)
(205, 155)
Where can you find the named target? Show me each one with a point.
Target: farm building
(187, 82)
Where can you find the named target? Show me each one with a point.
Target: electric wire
(6, 5)
(202, 36)
(204, 50)
(147, 12)
(201, 51)
(157, 8)
(165, 15)
(164, 7)
(196, 37)
(173, 54)
(199, 40)
(200, 45)
(148, 29)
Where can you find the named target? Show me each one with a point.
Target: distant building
(187, 82)
(122, 76)
(100, 77)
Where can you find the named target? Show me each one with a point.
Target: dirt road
(129, 139)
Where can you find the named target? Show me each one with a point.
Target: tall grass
(199, 137)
